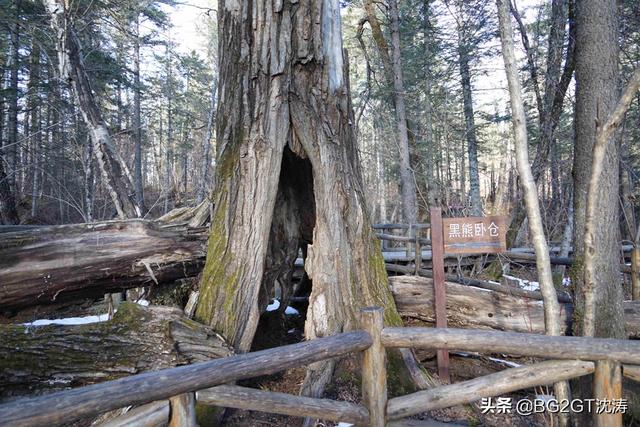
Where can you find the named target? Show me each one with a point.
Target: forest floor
(272, 331)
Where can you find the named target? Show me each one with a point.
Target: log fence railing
(168, 396)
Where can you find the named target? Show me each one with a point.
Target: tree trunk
(552, 319)
(137, 339)
(70, 262)
(596, 97)
(115, 173)
(11, 150)
(393, 72)
(469, 121)
(203, 185)
(137, 122)
(556, 86)
(432, 183)
(285, 132)
(8, 212)
(168, 166)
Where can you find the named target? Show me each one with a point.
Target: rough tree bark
(70, 262)
(288, 171)
(8, 212)
(136, 340)
(115, 173)
(552, 320)
(393, 71)
(604, 137)
(596, 97)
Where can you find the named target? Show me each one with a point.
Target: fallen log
(563, 297)
(471, 307)
(36, 359)
(71, 262)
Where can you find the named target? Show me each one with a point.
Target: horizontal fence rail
(561, 347)
(69, 405)
(172, 397)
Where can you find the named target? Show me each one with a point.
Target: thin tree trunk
(168, 167)
(470, 127)
(203, 185)
(552, 321)
(433, 191)
(137, 122)
(393, 72)
(115, 173)
(556, 86)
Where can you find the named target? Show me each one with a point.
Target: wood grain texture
(490, 385)
(58, 408)
(607, 387)
(250, 399)
(69, 262)
(40, 359)
(471, 307)
(183, 410)
(583, 348)
(474, 307)
(439, 288)
(374, 370)
(153, 414)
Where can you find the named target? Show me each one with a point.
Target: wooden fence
(169, 395)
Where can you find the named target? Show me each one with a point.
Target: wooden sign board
(472, 235)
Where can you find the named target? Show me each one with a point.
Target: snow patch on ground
(506, 362)
(276, 305)
(342, 424)
(143, 302)
(524, 284)
(69, 320)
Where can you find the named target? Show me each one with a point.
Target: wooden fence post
(635, 273)
(183, 410)
(418, 254)
(440, 299)
(607, 389)
(374, 370)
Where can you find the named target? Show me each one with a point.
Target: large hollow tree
(288, 177)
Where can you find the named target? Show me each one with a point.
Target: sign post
(437, 260)
(470, 235)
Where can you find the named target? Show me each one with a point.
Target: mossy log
(471, 307)
(35, 359)
(71, 262)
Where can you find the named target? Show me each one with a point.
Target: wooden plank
(489, 385)
(475, 235)
(374, 371)
(149, 415)
(66, 406)
(584, 348)
(607, 387)
(250, 399)
(183, 410)
(440, 299)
